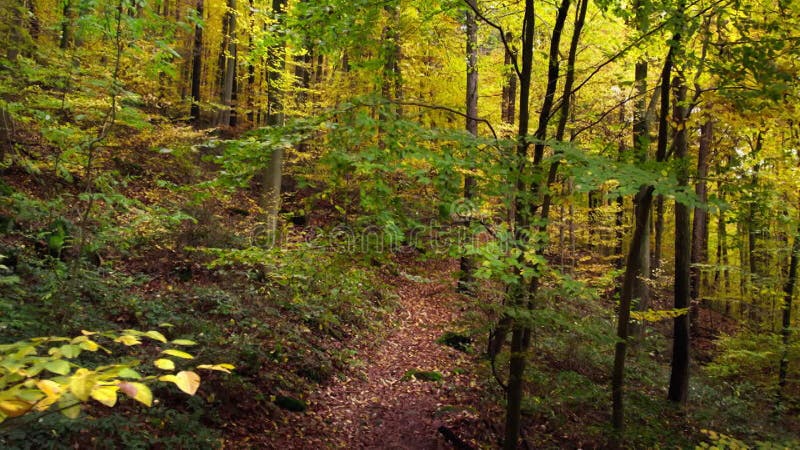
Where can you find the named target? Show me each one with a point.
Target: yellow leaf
(88, 333)
(220, 367)
(184, 342)
(81, 384)
(164, 364)
(106, 395)
(52, 391)
(178, 354)
(14, 408)
(137, 391)
(186, 380)
(49, 387)
(89, 345)
(152, 334)
(128, 340)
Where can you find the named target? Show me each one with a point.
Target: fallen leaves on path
(371, 405)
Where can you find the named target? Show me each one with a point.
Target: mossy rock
(423, 375)
(457, 341)
(290, 403)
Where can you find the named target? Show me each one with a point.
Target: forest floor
(376, 403)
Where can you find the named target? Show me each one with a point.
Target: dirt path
(373, 406)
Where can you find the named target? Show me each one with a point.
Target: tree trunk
(520, 338)
(679, 377)
(633, 271)
(467, 266)
(641, 146)
(197, 67)
(230, 67)
(67, 25)
(700, 221)
(786, 332)
(275, 116)
(635, 264)
(509, 95)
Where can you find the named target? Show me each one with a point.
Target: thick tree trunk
(467, 266)
(197, 67)
(679, 377)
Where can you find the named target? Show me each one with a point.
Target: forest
(399, 224)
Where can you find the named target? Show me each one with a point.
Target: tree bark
(633, 271)
(197, 67)
(466, 264)
(641, 145)
(786, 332)
(509, 94)
(520, 337)
(633, 266)
(521, 331)
(275, 116)
(679, 377)
(230, 67)
(67, 25)
(700, 220)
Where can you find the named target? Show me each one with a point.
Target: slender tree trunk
(633, 271)
(498, 335)
(634, 263)
(467, 266)
(521, 331)
(275, 117)
(679, 377)
(197, 67)
(786, 332)
(752, 224)
(230, 67)
(509, 94)
(700, 220)
(392, 81)
(641, 146)
(658, 229)
(520, 337)
(67, 25)
(566, 97)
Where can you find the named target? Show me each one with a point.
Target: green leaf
(69, 406)
(129, 373)
(58, 366)
(70, 350)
